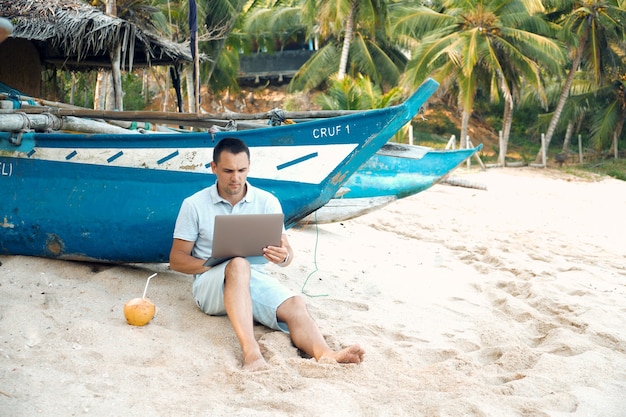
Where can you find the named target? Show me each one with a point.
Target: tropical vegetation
(551, 68)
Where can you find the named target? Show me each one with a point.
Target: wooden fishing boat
(395, 171)
(114, 197)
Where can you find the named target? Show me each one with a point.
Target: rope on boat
(231, 126)
(278, 117)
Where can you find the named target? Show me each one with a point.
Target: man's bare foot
(351, 354)
(254, 362)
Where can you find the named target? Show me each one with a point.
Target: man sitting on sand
(242, 291)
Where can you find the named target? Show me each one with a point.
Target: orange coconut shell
(139, 311)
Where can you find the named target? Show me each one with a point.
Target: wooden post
(480, 161)
(451, 143)
(543, 149)
(467, 146)
(116, 78)
(115, 55)
(166, 90)
(100, 91)
(196, 81)
(73, 89)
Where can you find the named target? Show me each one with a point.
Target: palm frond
(317, 69)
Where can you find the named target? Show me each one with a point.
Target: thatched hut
(70, 34)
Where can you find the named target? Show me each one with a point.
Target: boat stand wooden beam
(174, 118)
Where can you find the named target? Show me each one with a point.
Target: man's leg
(239, 309)
(307, 336)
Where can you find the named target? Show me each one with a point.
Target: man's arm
(182, 261)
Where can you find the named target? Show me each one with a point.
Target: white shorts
(266, 292)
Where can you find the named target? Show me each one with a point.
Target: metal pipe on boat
(20, 122)
(77, 124)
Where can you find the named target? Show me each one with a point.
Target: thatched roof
(75, 35)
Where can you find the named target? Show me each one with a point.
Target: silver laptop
(244, 235)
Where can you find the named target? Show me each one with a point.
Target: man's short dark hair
(232, 145)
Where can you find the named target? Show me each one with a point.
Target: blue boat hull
(109, 213)
(386, 174)
(396, 171)
(115, 198)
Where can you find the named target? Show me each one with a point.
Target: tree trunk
(347, 39)
(116, 74)
(507, 121)
(616, 135)
(464, 129)
(568, 136)
(564, 94)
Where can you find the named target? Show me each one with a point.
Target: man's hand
(280, 255)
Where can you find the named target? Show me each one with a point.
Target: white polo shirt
(196, 216)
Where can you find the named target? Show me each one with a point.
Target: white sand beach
(504, 302)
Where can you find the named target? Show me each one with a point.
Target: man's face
(232, 172)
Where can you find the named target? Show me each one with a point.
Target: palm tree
(610, 115)
(146, 15)
(359, 93)
(347, 38)
(574, 114)
(476, 45)
(269, 27)
(588, 26)
(355, 40)
(221, 16)
(216, 19)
